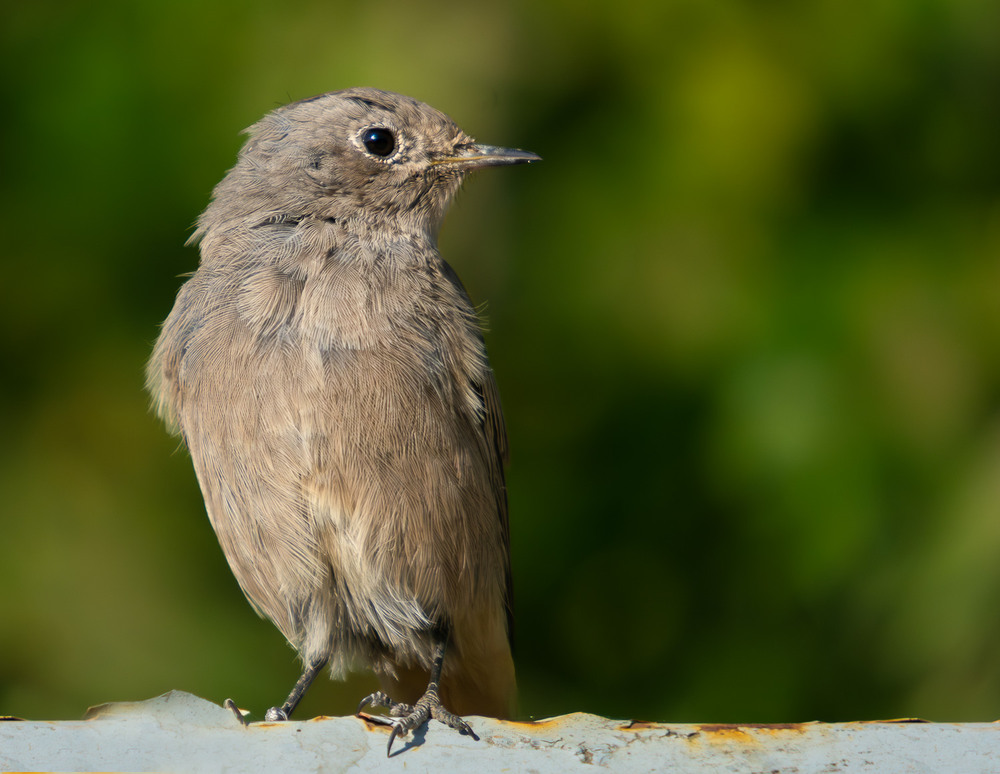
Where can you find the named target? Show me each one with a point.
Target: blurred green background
(745, 319)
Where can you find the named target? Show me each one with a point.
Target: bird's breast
(389, 335)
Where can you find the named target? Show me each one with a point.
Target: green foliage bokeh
(745, 319)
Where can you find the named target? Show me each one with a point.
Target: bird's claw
(412, 716)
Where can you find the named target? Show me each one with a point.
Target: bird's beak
(473, 156)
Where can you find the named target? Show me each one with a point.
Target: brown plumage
(327, 372)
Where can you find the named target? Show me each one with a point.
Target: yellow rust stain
(895, 720)
(374, 722)
(744, 733)
(723, 728)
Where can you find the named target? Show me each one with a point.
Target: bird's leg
(285, 710)
(428, 706)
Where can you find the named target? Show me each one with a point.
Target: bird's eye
(378, 141)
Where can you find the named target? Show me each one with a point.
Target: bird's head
(355, 154)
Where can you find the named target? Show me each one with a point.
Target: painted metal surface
(180, 732)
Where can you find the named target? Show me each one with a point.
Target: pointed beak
(475, 155)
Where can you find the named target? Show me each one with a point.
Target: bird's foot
(380, 699)
(412, 716)
(275, 715)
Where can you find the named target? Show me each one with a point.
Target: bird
(327, 372)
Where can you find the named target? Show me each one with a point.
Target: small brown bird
(327, 372)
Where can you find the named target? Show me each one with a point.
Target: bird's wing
(495, 434)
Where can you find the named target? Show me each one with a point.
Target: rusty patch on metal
(375, 722)
(741, 728)
(534, 724)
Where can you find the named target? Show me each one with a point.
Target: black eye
(378, 141)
